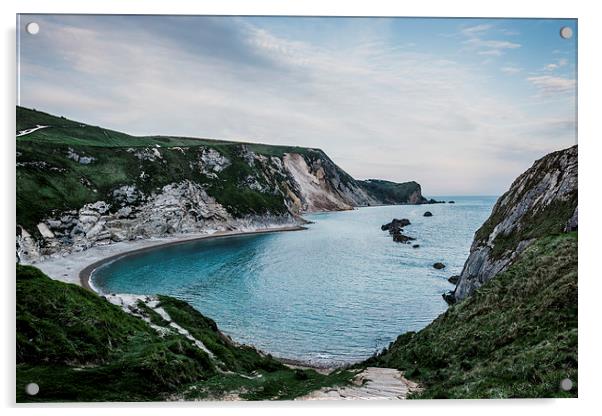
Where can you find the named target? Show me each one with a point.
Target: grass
(515, 337)
(78, 347)
(59, 184)
(280, 385)
(49, 183)
(391, 192)
(74, 133)
(549, 220)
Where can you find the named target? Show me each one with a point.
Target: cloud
(378, 110)
(472, 30)
(547, 84)
(511, 70)
(490, 47)
(553, 66)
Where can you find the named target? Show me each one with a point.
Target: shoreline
(76, 268)
(80, 268)
(85, 274)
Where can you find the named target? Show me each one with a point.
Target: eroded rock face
(304, 182)
(319, 185)
(177, 208)
(541, 201)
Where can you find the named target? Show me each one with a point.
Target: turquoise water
(332, 294)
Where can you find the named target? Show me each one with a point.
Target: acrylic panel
(295, 208)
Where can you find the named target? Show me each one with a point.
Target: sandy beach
(77, 267)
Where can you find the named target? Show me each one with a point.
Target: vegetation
(78, 347)
(551, 219)
(515, 337)
(49, 181)
(391, 192)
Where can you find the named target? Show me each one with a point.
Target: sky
(462, 106)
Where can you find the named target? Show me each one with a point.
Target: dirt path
(31, 130)
(371, 384)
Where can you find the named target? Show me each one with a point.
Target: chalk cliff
(80, 185)
(540, 202)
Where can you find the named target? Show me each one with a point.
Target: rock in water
(401, 238)
(439, 266)
(451, 202)
(453, 279)
(415, 245)
(395, 224)
(395, 229)
(449, 297)
(428, 214)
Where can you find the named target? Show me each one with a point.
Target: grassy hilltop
(68, 164)
(47, 181)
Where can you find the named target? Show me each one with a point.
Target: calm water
(331, 294)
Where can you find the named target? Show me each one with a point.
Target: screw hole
(32, 389)
(566, 32)
(32, 28)
(566, 384)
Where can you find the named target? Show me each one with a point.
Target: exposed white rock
(151, 154)
(130, 304)
(213, 161)
(314, 193)
(84, 160)
(177, 209)
(127, 194)
(248, 155)
(45, 231)
(552, 179)
(27, 246)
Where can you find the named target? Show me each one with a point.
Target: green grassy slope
(49, 182)
(515, 337)
(390, 192)
(78, 347)
(73, 133)
(60, 183)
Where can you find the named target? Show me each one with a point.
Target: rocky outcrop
(387, 192)
(306, 182)
(177, 208)
(454, 279)
(541, 201)
(396, 224)
(395, 228)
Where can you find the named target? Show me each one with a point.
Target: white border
(590, 25)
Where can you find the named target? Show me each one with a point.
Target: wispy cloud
(477, 40)
(364, 100)
(490, 47)
(476, 29)
(547, 84)
(511, 70)
(558, 64)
